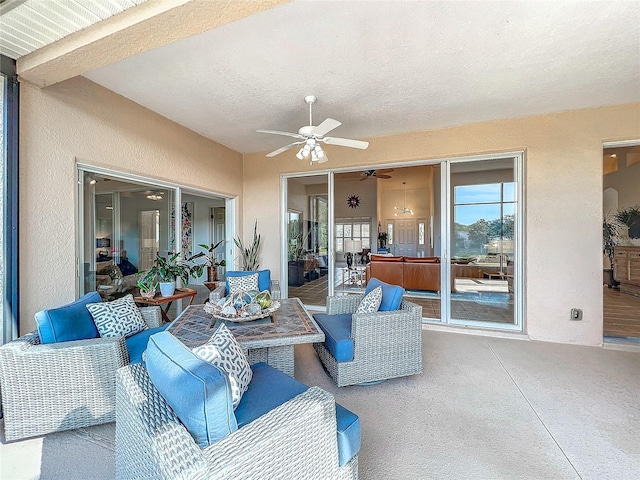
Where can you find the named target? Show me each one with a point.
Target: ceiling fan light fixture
(300, 154)
(318, 151)
(306, 150)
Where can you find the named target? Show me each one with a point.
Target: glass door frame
(445, 242)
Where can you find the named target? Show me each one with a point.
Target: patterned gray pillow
(243, 284)
(223, 351)
(119, 318)
(371, 301)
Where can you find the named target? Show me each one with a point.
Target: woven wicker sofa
(61, 386)
(386, 344)
(295, 440)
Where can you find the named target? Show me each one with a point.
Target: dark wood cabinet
(626, 269)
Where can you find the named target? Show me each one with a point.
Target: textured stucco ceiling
(387, 67)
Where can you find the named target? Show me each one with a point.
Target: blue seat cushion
(137, 344)
(270, 388)
(337, 335)
(348, 434)
(391, 294)
(264, 278)
(68, 322)
(197, 391)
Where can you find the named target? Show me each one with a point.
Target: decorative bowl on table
(244, 306)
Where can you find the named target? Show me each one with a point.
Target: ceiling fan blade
(384, 176)
(385, 170)
(346, 142)
(326, 126)
(283, 149)
(364, 178)
(276, 132)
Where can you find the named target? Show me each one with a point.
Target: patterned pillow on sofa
(119, 318)
(223, 351)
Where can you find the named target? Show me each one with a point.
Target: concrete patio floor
(485, 407)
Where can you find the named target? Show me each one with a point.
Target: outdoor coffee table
(269, 339)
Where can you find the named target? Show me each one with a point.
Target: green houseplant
(168, 269)
(249, 254)
(210, 259)
(147, 287)
(630, 218)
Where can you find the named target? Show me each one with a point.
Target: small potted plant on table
(210, 259)
(148, 286)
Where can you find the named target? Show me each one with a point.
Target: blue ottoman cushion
(264, 278)
(68, 322)
(270, 388)
(137, 344)
(391, 294)
(197, 391)
(337, 335)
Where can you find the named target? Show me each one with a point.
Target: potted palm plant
(210, 259)
(629, 218)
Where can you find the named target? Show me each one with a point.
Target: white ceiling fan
(311, 138)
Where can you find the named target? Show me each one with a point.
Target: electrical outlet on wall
(576, 314)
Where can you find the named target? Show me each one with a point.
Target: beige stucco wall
(78, 119)
(563, 201)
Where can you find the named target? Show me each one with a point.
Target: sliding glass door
(125, 225)
(483, 243)
(125, 222)
(453, 229)
(307, 247)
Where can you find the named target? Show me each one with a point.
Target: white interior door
(405, 240)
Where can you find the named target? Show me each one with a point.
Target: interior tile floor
(621, 312)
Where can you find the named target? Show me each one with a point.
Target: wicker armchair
(386, 344)
(296, 440)
(61, 386)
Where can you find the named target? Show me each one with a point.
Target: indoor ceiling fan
(383, 173)
(311, 138)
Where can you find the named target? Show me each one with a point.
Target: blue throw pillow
(197, 391)
(69, 322)
(264, 278)
(391, 294)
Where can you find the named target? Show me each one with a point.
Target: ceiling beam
(147, 26)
